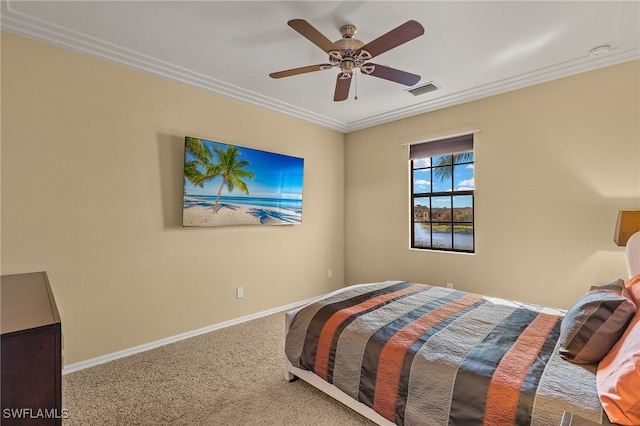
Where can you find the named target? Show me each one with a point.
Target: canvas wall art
(227, 185)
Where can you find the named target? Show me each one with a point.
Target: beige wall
(554, 164)
(92, 184)
(92, 193)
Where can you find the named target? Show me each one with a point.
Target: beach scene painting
(227, 185)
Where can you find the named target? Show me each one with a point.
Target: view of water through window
(443, 196)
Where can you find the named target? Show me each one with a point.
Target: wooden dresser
(31, 346)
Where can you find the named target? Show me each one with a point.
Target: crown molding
(46, 32)
(542, 75)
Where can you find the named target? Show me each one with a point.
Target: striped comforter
(426, 355)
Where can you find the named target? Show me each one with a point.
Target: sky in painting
(276, 175)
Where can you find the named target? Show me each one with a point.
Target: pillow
(633, 287)
(618, 378)
(595, 323)
(615, 286)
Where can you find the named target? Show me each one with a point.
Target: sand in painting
(198, 213)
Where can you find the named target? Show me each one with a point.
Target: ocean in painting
(209, 200)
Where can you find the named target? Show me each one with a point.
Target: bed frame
(292, 373)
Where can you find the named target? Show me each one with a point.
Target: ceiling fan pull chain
(355, 80)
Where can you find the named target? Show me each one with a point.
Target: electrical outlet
(449, 285)
(329, 273)
(239, 292)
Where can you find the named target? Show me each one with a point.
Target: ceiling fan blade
(301, 70)
(394, 38)
(390, 74)
(312, 34)
(342, 87)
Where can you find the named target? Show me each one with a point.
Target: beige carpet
(232, 376)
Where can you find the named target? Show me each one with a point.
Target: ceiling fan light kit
(349, 54)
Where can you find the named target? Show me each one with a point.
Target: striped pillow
(595, 323)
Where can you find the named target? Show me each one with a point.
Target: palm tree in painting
(230, 169)
(200, 156)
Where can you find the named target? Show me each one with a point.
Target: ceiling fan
(350, 54)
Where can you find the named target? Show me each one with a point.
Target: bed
(414, 354)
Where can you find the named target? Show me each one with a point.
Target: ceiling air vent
(423, 88)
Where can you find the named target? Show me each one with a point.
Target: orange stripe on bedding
(321, 365)
(507, 380)
(394, 351)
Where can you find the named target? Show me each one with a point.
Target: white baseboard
(72, 368)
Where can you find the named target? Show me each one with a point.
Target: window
(442, 195)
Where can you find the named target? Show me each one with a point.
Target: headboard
(633, 255)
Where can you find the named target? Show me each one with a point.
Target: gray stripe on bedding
(426, 399)
(348, 361)
(294, 343)
(566, 386)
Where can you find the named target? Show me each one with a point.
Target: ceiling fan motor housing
(348, 58)
(349, 44)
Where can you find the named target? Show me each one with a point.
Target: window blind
(453, 145)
